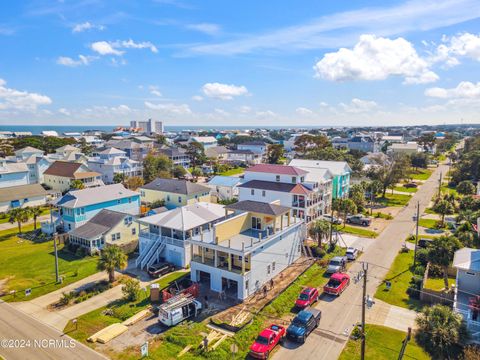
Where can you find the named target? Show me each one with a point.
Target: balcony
(168, 240)
(222, 265)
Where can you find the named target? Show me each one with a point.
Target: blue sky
(240, 63)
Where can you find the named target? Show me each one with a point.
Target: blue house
(79, 206)
(13, 174)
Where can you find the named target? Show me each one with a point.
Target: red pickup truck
(337, 284)
(307, 297)
(266, 341)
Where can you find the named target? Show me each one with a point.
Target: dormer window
(277, 178)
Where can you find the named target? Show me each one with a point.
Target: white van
(178, 308)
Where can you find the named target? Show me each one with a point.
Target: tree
(118, 178)
(196, 172)
(111, 258)
(306, 142)
(275, 153)
(357, 194)
(443, 207)
(156, 166)
(196, 152)
(391, 172)
(86, 148)
(427, 141)
(466, 187)
(471, 352)
(419, 160)
(131, 289)
(345, 207)
(133, 182)
(319, 230)
(19, 216)
(179, 171)
(35, 212)
(441, 331)
(441, 253)
(77, 185)
(373, 188)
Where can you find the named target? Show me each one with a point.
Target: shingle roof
(277, 169)
(187, 217)
(276, 186)
(173, 151)
(99, 224)
(175, 186)
(253, 143)
(95, 195)
(28, 149)
(259, 207)
(112, 150)
(21, 192)
(63, 168)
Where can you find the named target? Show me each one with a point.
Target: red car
(266, 341)
(337, 284)
(307, 297)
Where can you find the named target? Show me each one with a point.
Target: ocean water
(37, 129)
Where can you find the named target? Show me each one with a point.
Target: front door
(256, 223)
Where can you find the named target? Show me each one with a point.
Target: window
(25, 200)
(168, 197)
(256, 223)
(239, 258)
(268, 270)
(294, 179)
(113, 237)
(277, 178)
(264, 193)
(142, 193)
(129, 200)
(273, 266)
(119, 201)
(134, 231)
(179, 199)
(252, 192)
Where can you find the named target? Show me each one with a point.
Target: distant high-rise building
(148, 126)
(133, 123)
(158, 127)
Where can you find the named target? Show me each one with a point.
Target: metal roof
(259, 207)
(225, 181)
(335, 167)
(467, 259)
(276, 186)
(95, 195)
(175, 186)
(277, 169)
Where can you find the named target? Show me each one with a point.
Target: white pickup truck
(178, 308)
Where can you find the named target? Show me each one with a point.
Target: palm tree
(77, 185)
(345, 207)
(443, 207)
(319, 230)
(35, 212)
(112, 257)
(441, 253)
(19, 215)
(441, 331)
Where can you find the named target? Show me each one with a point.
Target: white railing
(142, 256)
(167, 239)
(150, 253)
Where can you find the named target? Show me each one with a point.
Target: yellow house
(106, 228)
(60, 174)
(174, 192)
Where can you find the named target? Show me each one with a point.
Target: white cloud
(197, 98)
(463, 45)
(375, 58)
(221, 112)
(357, 106)
(177, 109)
(343, 28)
(245, 109)
(154, 90)
(207, 28)
(86, 26)
(265, 114)
(105, 48)
(303, 111)
(64, 111)
(464, 90)
(68, 61)
(130, 44)
(223, 91)
(20, 100)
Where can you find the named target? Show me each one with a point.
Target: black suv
(159, 269)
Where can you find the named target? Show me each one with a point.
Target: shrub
(131, 289)
(419, 270)
(415, 285)
(422, 256)
(80, 252)
(66, 298)
(317, 251)
(435, 271)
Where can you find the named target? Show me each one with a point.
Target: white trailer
(178, 308)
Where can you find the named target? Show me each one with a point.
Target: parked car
(424, 243)
(303, 324)
(411, 185)
(307, 297)
(266, 341)
(337, 284)
(332, 219)
(336, 264)
(359, 220)
(160, 269)
(352, 253)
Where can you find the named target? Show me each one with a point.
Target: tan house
(174, 192)
(60, 174)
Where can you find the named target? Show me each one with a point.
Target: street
(339, 314)
(23, 337)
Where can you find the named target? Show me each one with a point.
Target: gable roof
(175, 186)
(277, 169)
(204, 139)
(98, 225)
(259, 207)
(63, 168)
(28, 149)
(467, 259)
(21, 192)
(335, 167)
(186, 217)
(112, 150)
(276, 186)
(67, 148)
(95, 195)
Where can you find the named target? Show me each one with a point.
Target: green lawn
(45, 210)
(449, 190)
(405, 189)
(96, 320)
(428, 223)
(234, 171)
(383, 343)
(437, 283)
(394, 200)
(27, 264)
(357, 231)
(399, 275)
(420, 174)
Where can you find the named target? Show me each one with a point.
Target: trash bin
(154, 293)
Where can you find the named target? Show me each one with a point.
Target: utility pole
(416, 235)
(440, 186)
(364, 303)
(54, 236)
(404, 344)
(331, 227)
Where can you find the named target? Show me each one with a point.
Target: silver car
(336, 264)
(352, 253)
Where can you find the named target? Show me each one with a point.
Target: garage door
(174, 258)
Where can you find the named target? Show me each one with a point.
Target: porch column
(215, 258)
(243, 264)
(281, 223)
(203, 254)
(288, 218)
(229, 262)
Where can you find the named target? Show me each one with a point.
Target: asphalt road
(22, 337)
(339, 314)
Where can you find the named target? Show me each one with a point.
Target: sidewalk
(394, 317)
